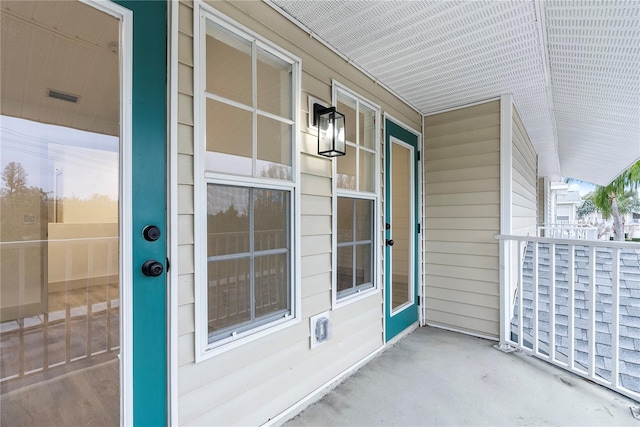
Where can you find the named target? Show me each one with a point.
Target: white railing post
(534, 318)
(552, 301)
(591, 333)
(520, 296)
(615, 318)
(505, 304)
(571, 303)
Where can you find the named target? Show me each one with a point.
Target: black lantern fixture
(331, 132)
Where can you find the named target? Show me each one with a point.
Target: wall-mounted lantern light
(331, 132)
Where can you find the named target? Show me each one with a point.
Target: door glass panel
(59, 210)
(401, 210)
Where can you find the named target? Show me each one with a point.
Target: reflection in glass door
(402, 254)
(59, 234)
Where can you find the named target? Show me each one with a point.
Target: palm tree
(615, 199)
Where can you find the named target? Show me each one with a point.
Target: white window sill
(228, 344)
(348, 300)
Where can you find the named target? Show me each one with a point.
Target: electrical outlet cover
(320, 329)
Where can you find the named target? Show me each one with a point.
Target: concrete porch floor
(434, 377)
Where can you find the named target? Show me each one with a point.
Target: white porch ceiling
(573, 67)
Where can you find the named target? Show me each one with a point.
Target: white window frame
(376, 276)
(204, 13)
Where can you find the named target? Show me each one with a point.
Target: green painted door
(149, 165)
(83, 153)
(401, 213)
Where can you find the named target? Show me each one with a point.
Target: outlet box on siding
(320, 328)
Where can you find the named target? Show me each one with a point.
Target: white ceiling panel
(573, 67)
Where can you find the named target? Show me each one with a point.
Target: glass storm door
(82, 146)
(401, 239)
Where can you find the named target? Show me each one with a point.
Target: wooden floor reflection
(86, 397)
(61, 367)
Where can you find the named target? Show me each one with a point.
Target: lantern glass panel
(340, 144)
(325, 133)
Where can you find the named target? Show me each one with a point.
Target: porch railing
(568, 231)
(575, 304)
(76, 318)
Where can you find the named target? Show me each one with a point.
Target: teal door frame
(149, 197)
(398, 322)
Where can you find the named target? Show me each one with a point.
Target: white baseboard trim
(462, 331)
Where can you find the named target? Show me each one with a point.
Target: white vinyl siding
(253, 383)
(525, 180)
(462, 216)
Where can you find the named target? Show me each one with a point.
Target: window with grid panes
(356, 197)
(249, 107)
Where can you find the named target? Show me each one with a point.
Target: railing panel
(79, 315)
(568, 231)
(578, 307)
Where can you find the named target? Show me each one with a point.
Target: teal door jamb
(149, 165)
(409, 315)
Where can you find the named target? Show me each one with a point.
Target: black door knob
(390, 242)
(151, 233)
(152, 268)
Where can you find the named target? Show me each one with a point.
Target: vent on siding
(62, 96)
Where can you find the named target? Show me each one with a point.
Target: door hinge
(418, 155)
(419, 228)
(419, 300)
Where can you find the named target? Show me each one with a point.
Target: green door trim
(409, 315)
(148, 196)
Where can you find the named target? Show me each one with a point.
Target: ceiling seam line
(546, 68)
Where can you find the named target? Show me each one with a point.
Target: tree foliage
(14, 179)
(616, 199)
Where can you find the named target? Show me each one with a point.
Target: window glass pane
(227, 220)
(274, 149)
(364, 215)
(367, 171)
(274, 84)
(228, 65)
(345, 219)
(271, 285)
(367, 127)
(271, 217)
(229, 293)
(347, 106)
(345, 268)
(229, 139)
(347, 169)
(363, 264)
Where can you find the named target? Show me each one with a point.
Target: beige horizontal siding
(462, 184)
(525, 180)
(541, 201)
(256, 381)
